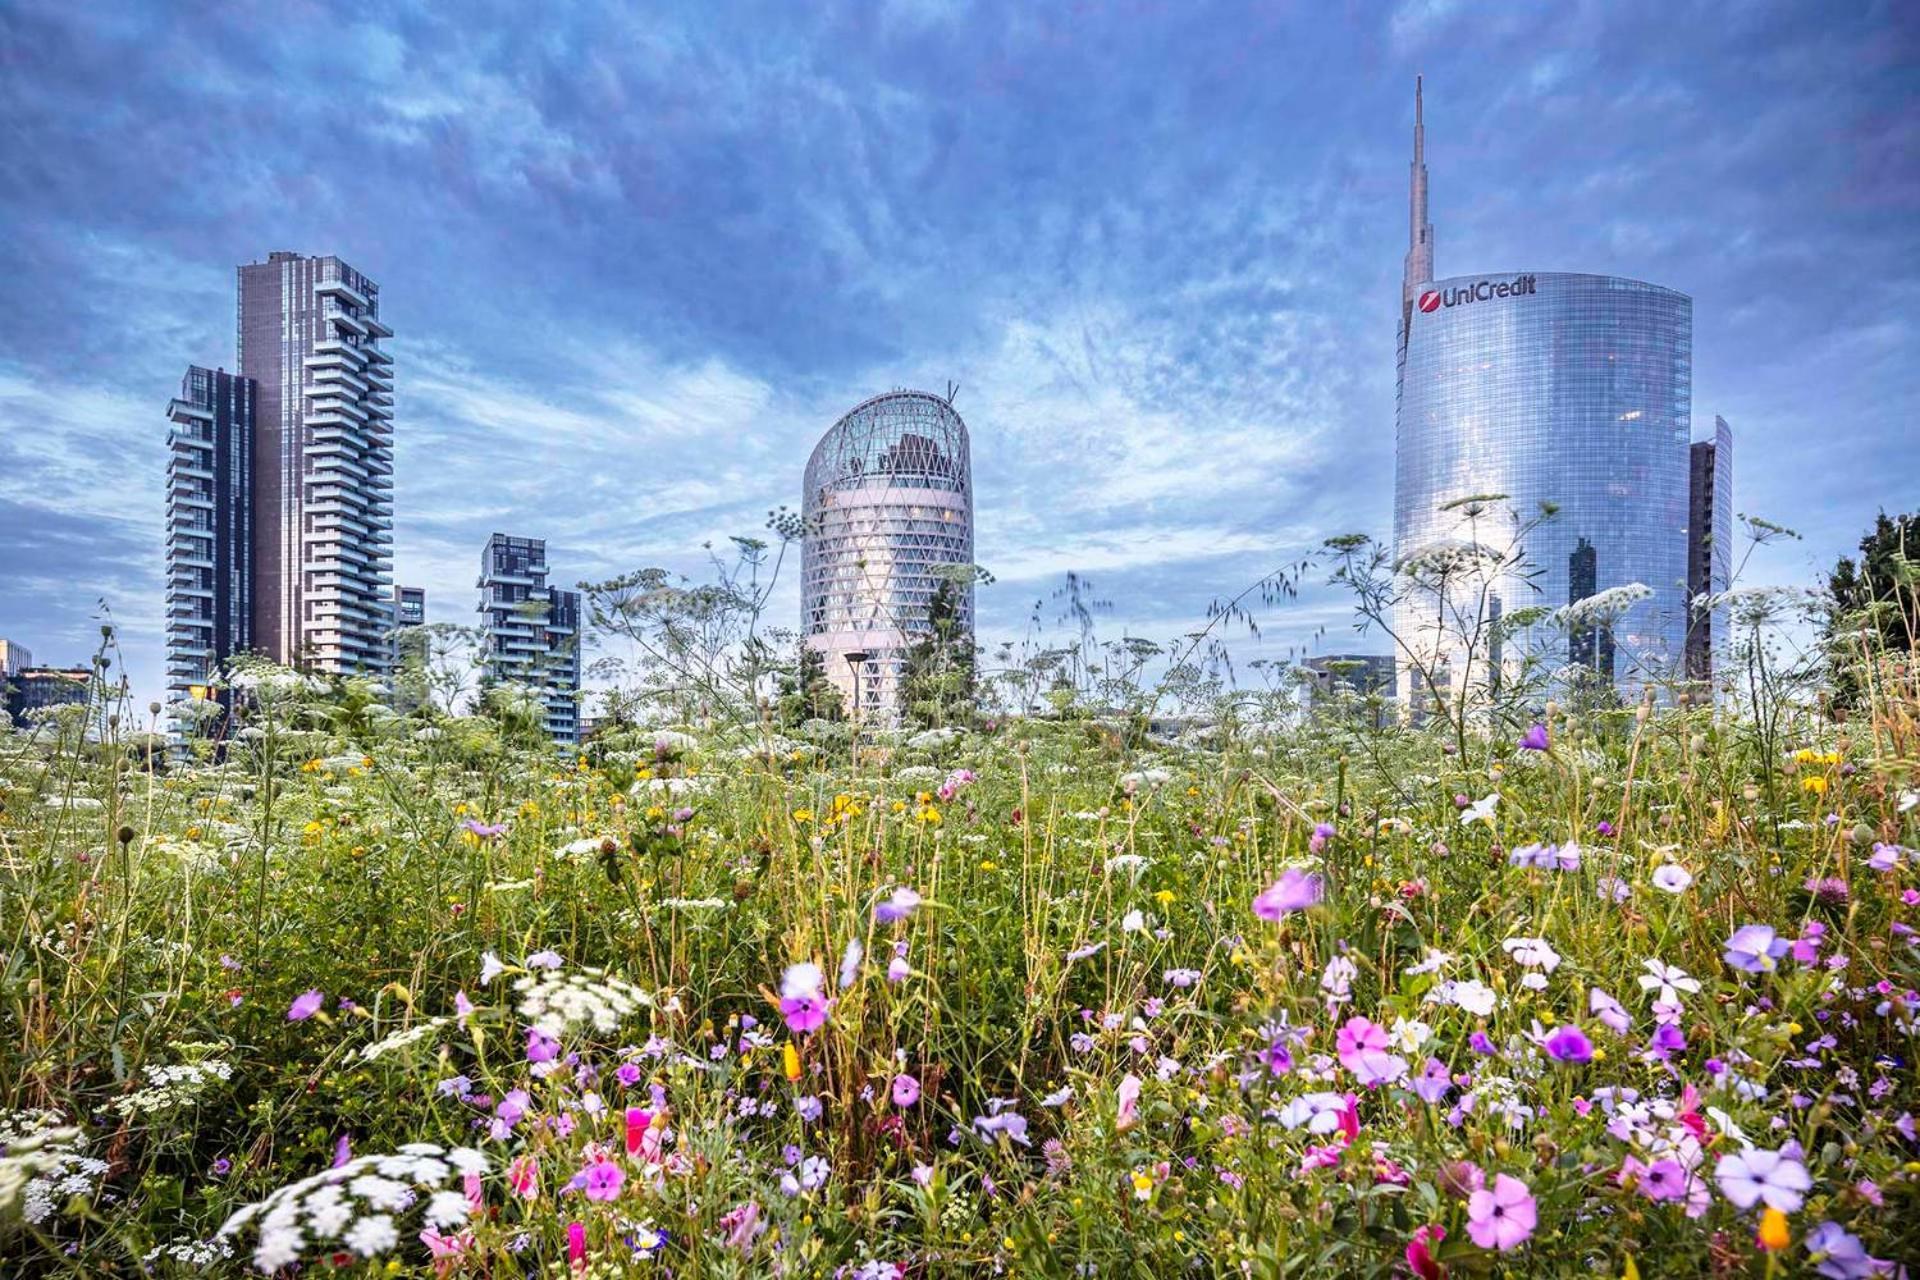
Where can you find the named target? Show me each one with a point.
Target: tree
(805, 693)
(937, 687)
(1876, 602)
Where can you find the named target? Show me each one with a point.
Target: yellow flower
(1142, 1183)
(1814, 783)
(790, 1061)
(803, 815)
(1163, 897)
(989, 865)
(1773, 1234)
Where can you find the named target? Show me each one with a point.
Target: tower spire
(1419, 262)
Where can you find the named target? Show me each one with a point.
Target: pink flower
(1362, 1046)
(305, 1005)
(1295, 890)
(1128, 1097)
(637, 1122)
(906, 1090)
(1420, 1254)
(742, 1226)
(804, 1013)
(523, 1175)
(1501, 1217)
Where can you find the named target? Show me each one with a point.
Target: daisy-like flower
(1480, 811)
(1668, 980)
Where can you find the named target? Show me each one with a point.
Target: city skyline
(606, 343)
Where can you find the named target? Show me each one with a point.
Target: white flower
(1409, 1036)
(1534, 953)
(277, 1248)
(447, 1209)
(801, 981)
(1669, 980)
(1471, 994)
(381, 1193)
(1480, 811)
(490, 968)
(1672, 877)
(1133, 922)
(1337, 980)
(1319, 1112)
(371, 1235)
(1435, 961)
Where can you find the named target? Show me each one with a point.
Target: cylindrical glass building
(1568, 389)
(888, 506)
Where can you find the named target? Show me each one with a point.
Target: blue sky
(637, 261)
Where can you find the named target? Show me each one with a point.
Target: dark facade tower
(1588, 643)
(209, 528)
(1709, 545)
(309, 332)
(533, 630)
(406, 648)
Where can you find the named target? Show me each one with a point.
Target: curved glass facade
(889, 505)
(1562, 388)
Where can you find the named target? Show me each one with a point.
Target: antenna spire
(1419, 262)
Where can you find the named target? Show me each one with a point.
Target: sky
(638, 258)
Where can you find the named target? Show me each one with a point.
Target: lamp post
(856, 658)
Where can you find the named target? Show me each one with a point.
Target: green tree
(937, 687)
(1876, 602)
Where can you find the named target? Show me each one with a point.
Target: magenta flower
(804, 1013)
(1295, 890)
(541, 1047)
(1362, 1046)
(305, 1005)
(602, 1180)
(1503, 1216)
(1534, 739)
(1568, 1044)
(906, 1090)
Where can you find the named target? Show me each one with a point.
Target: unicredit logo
(1479, 291)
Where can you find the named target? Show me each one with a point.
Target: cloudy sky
(636, 262)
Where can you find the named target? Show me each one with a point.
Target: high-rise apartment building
(14, 657)
(209, 528)
(532, 629)
(309, 331)
(1547, 388)
(406, 648)
(1709, 545)
(888, 506)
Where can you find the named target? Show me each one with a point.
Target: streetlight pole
(856, 659)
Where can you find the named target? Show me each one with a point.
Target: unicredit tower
(1545, 387)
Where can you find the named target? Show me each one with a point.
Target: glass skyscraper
(888, 504)
(1548, 388)
(532, 629)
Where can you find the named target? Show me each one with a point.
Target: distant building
(1365, 674)
(1709, 546)
(1561, 388)
(14, 657)
(406, 649)
(309, 331)
(209, 530)
(888, 502)
(532, 630)
(36, 687)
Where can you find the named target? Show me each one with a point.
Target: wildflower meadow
(1561, 988)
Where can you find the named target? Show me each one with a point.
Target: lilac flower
(544, 960)
(222, 1167)
(1754, 948)
(1504, 1215)
(1182, 978)
(1481, 1044)
(483, 830)
(1664, 1180)
(802, 1003)
(901, 904)
(342, 1151)
(1569, 1044)
(1086, 952)
(305, 1005)
(1754, 1176)
(1613, 889)
(1672, 878)
(1009, 1122)
(1830, 890)
(490, 968)
(1608, 1010)
(906, 1090)
(1667, 1040)
(1806, 948)
(1278, 1058)
(1295, 890)
(510, 1111)
(1837, 1253)
(850, 962)
(1885, 857)
(1534, 739)
(808, 1108)
(1322, 832)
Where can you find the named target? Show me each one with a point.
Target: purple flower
(541, 1047)
(1433, 1083)
(1750, 1177)
(1322, 832)
(1569, 1044)
(544, 960)
(1667, 1039)
(342, 1151)
(1502, 1216)
(222, 1167)
(1481, 1044)
(1277, 1057)
(1011, 1123)
(1830, 890)
(1603, 829)
(1295, 890)
(1754, 948)
(483, 830)
(898, 907)
(906, 1090)
(1838, 1254)
(1534, 739)
(804, 1013)
(305, 1005)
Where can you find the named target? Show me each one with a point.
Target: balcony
(345, 319)
(185, 409)
(341, 289)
